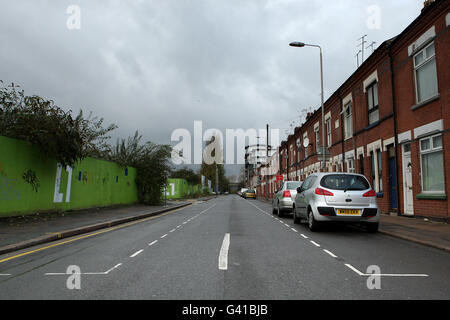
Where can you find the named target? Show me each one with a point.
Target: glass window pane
(373, 116)
(418, 59)
(407, 148)
(430, 51)
(437, 142)
(425, 145)
(426, 81)
(433, 171)
(370, 97)
(375, 94)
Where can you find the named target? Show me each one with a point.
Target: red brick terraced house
(390, 120)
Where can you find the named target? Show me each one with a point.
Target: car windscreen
(251, 191)
(345, 182)
(293, 185)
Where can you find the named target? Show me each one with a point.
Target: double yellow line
(91, 235)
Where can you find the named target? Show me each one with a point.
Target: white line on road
(4, 275)
(152, 243)
(173, 230)
(315, 243)
(85, 273)
(385, 274)
(294, 230)
(164, 236)
(136, 253)
(354, 269)
(330, 253)
(115, 267)
(304, 236)
(178, 227)
(223, 255)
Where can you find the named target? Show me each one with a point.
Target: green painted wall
(179, 188)
(93, 182)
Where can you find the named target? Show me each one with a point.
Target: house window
(329, 132)
(431, 157)
(377, 180)
(351, 165)
(372, 103)
(425, 73)
(348, 122)
(316, 132)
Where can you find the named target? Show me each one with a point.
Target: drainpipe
(394, 107)
(342, 128)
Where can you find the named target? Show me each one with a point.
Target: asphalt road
(226, 248)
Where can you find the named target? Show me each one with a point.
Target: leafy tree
(42, 123)
(151, 161)
(188, 174)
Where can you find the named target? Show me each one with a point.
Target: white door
(407, 181)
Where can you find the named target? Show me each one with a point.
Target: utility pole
(217, 180)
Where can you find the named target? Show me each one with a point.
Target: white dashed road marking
(223, 255)
(136, 253)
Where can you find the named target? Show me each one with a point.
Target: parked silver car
(283, 199)
(344, 197)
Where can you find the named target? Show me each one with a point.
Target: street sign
(280, 178)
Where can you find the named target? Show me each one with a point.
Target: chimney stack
(426, 4)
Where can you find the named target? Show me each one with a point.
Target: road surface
(226, 248)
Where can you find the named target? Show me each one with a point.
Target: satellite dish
(306, 143)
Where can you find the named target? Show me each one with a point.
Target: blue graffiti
(8, 189)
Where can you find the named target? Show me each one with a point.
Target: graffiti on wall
(8, 189)
(58, 196)
(31, 178)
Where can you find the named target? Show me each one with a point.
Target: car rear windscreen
(293, 185)
(344, 182)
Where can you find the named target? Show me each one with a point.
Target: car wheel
(274, 211)
(312, 223)
(279, 212)
(372, 227)
(296, 219)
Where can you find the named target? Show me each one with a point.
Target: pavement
(21, 232)
(419, 230)
(226, 248)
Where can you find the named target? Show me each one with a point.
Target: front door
(393, 183)
(407, 181)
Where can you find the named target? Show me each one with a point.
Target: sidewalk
(17, 233)
(429, 233)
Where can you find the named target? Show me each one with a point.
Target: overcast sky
(159, 65)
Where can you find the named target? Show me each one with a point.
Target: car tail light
(286, 194)
(370, 194)
(323, 192)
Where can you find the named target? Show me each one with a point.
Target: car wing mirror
(299, 190)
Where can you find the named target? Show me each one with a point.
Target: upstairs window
(328, 123)
(372, 102)
(348, 121)
(425, 73)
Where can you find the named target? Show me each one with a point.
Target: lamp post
(301, 45)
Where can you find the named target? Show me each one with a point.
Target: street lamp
(301, 45)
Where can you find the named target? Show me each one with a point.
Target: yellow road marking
(92, 234)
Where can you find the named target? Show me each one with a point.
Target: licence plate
(348, 212)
